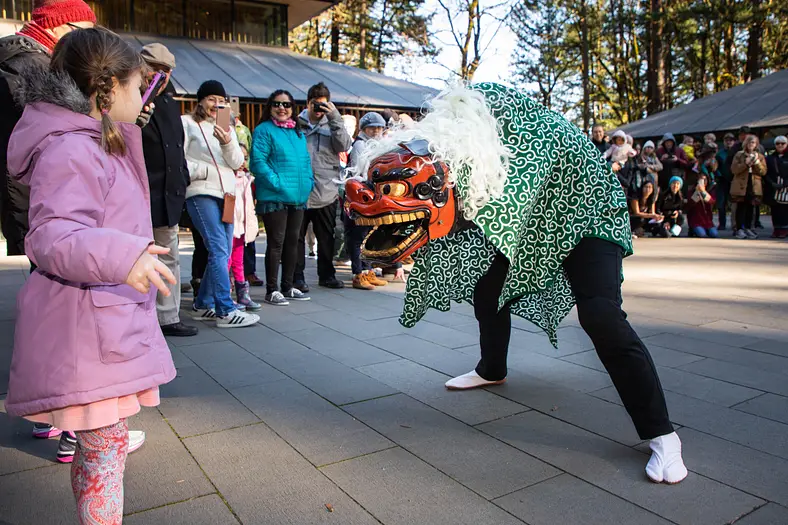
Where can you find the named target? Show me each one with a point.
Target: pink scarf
(287, 124)
(39, 34)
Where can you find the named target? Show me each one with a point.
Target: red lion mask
(407, 200)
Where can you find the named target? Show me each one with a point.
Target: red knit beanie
(54, 13)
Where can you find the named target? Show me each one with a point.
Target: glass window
(16, 9)
(257, 23)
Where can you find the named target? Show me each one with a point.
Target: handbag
(228, 212)
(781, 196)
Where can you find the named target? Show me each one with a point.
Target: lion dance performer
(512, 209)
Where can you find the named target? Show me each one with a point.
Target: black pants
(594, 272)
(354, 238)
(323, 224)
(282, 229)
(200, 256)
(744, 214)
(250, 259)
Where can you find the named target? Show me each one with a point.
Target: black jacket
(670, 202)
(162, 144)
(16, 54)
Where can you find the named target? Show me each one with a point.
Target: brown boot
(360, 282)
(374, 279)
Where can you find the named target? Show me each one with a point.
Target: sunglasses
(278, 104)
(781, 143)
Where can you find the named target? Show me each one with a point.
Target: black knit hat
(211, 87)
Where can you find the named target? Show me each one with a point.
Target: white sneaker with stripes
(236, 319)
(203, 314)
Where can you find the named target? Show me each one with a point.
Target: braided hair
(98, 60)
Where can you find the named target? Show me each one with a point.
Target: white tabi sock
(666, 464)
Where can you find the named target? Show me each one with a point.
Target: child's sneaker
(237, 319)
(44, 431)
(136, 439)
(276, 299)
(203, 314)
(67, 447)
(295, 294)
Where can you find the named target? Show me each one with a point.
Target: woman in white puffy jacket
(213, 155)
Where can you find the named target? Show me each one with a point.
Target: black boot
(196, 286)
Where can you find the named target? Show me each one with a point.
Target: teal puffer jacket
(280, 163)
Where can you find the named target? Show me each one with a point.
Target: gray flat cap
(158, 54)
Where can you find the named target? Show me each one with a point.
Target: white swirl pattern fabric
(559, 190)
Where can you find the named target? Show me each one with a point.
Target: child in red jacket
(700, 210)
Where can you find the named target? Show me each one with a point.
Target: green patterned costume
(559, 190)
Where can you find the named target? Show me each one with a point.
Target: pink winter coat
(81, 335)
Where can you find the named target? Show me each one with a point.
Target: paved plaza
(330, 412)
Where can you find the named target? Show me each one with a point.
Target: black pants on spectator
(646, 225)
(323, 224)
(200, 257)
(594, 272)
(744, 214)
(282, 229)
(250, 259)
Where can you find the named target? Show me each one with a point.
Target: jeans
(354, 238)
(323, 222)
(721, 194)
(206, 213)
(700, 231)
(282, 230)
(167, 307)
(594, 272)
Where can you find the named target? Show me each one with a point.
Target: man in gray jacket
(326, 138)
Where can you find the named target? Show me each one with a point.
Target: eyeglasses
(781, 143)
(280, 104)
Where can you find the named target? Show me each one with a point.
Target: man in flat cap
(162, 144)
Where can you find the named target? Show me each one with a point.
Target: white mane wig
(463, 134)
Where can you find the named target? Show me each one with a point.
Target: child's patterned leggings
(97, 474)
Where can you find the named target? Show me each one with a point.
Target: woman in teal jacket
(283, 177)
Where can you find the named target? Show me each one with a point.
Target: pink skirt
(98, 414)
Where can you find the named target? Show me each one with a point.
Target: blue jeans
(700, 231)
(206, 214)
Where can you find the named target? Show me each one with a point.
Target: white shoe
(740, 234)
(750, 234)
(203, 314)
(666, 464)
(136, 439)
(470, 380)
(237, 319)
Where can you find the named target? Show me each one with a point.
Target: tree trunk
(334, 36)
(729, 48)
(585, 61)
(655, 75)
(362, 23)
(754, 42)
(668, 70)
(468, 66)
(379, 50)
(702, 78)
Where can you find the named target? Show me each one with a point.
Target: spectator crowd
(695, 183)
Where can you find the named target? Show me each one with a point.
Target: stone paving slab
(346, 324)
(340, 347)
(552, 369)
(230, 365)
(38, 496)
(704, 388)
(566, 499)
(592, 414)
(770, 514)
(207, 334)
(618, 469)
(445, 360)
(773, 382)
(282, 320)
(752, 471)
(400, 489)
(485, 465)
(471, 406)
(779, 348)
(207, 510)
(733, 425)
(18, 449)
(193, 404)
(769, 406)
(321, 432)
(741, 356)
(442, 335)
(265, 481)
(162, 471)
(540, 344)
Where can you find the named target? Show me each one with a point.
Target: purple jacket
(81, 335)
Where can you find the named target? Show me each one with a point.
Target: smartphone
(153, 88)
(223, 117)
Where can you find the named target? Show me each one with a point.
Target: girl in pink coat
(88, 351)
